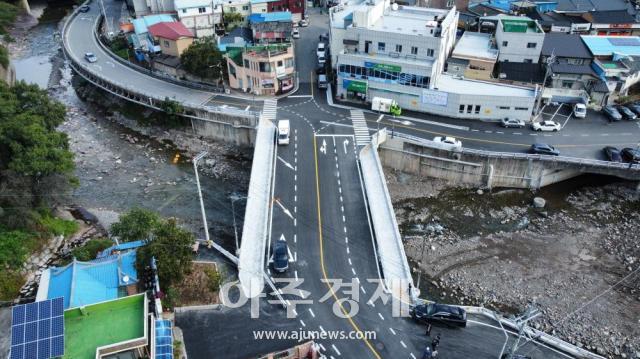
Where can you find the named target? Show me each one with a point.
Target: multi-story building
(272, 27)
(146, 7)
(399, 52)
(172, 37)
(519, 39)
(261, 70)
(241, 7)
(295, 7)
(199, 16)
(474, 56)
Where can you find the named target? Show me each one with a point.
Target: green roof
(519, 25)
(106, 323)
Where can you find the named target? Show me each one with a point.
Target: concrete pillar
(490, 177)
(25, 5)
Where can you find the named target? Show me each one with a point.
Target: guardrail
(528, 156)
(246, 119)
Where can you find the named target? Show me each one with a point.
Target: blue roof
(121, 247)
(270, 17)
(164, 339)
(140, 25)
(84, 283)
(608, 45)
(261, 1)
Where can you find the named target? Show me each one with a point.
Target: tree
(171, 246)
(136, 224)
(173, 109)
(203, 59)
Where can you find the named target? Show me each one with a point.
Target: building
(238, 37)
(399, 52)
(147, 7)
(240, 7)
(85, 283)
(273, 27)
(172, 37)
(295, 7)
(476, 54)
(201, 17)
(519, 39)
(140, 38)
(261, 70)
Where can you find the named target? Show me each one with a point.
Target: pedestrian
(435, 342)
(428, 330)
(427, 354)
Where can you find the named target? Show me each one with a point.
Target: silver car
(512, 122)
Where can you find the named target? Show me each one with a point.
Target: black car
(324, 37)
(627, 113)
(544, 149)
(635, 107)
(321, 70)
(612, 113)
(612, 153)
(280, 255)
(84, 8)
(630, 155)
(435, 313)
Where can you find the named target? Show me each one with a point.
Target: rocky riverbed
(576, 259)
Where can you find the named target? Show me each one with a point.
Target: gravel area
(576, 259)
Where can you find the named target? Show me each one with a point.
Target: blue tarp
(140, 25)
(121, 247)
(270, 17)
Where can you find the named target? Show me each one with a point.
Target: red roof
(170, 30)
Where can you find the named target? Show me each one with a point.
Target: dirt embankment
(577, 259)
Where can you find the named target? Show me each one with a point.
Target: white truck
(283, 132)
(387, 105)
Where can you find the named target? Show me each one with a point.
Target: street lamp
(204, 217)
(378, 120)
(424, 242)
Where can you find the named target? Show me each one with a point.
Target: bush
(10, 284)
(15, 246)
(136, 224)
(214, 279)
(58, 226)
(91, 249)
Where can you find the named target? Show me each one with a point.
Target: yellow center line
(493, 141)
(324, 273)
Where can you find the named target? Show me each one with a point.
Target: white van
(283, 132)
(322, 82)
(580, 110)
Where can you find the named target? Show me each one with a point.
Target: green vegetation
(90, 250)
(166, 241)
(8, 15)
(214, 278)
(120, 46)
(232, 20)
(173, 109)
(36, 173)
(203, 59)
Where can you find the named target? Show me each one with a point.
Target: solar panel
(37, 330)
(164, 339)
(624, 42)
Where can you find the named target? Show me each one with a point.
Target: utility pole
(522, 324)
(106, 20)
(424, 242)
(204, 217)
(550, 60)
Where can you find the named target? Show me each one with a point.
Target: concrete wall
(485, 170)
(8, 75)
(239, 136)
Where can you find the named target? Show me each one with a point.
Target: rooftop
(565, 45)
(525, 25)
(170, 30)
(608, 45)
(450, 84)
(409, 20)
(521, 72)
(475, 45)
(84, 283)
(140, 25)
(185, 4)
(279, 16)
(612, 17)
(107, 323)
(578, 6)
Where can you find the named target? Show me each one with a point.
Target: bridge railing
(207, 113)
(527, 156)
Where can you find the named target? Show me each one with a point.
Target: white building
(146, 7)
(399, 52)
(519, 39)
(242, 7)
(199, 16)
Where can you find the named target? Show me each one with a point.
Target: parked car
(321, 70)
(612, 154)
(321, 50)
(630, 155)
(322, 82)
(84, 8)
(546, 126)
(321, 60)
(580, 110)
(512, 122)
(435, 313)
(635, 107)
(627, 113)
(612, 113)
(544, 149)
(295, 33)
(304, 23)
(449, 141)
(324, 37)
(89, 56)
(280, 255)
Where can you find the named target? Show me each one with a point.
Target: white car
(546, 126)
(321, 50)
(304, 23)
(580, 110)
(448, 141)
(295, 33)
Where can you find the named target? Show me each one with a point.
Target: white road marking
(362, 289)
(412, 356)
(392, 331)
(344, 219)
(312, 314)
(346, 240)
(336, 349)
(380, 315)
(345, 229)
(286, 211)
(403, 344)
(353, 270)
(322, 329)
(295, 274)
(295, 238)
(371, 303)
(301, 322)
(323, 348)
(347, 250)
(248, 107)
(349, 259)
(517, 133)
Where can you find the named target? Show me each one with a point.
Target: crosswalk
(360, 128)
(270, 109)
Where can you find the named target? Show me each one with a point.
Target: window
(246, 64)
(505, 43)
(288, 62)
(279, 63)
(531, 45)
(166, 43)
(245, 7)
(528, 61)
(450, 3)
(201, 10)
(522, 109)
(504, 107)
(430, 52)
(414, 50)
(461, 109)
(477, 110)
(469, 108)
(381, 46)
(265, 67)
(567, 84)
(184, 11)
(398, 48)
